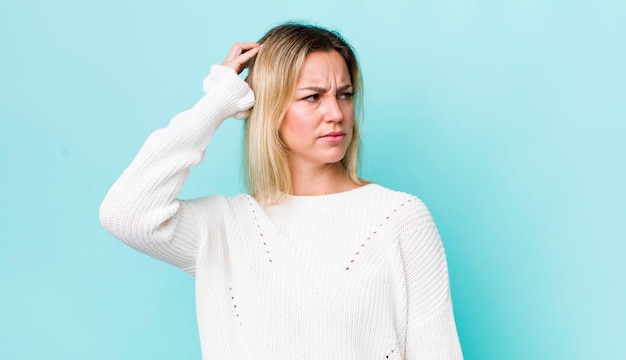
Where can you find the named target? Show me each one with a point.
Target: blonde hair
(272, 76)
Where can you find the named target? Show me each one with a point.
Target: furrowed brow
(314, 88)
(324, 90)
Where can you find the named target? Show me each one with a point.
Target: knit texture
(355, 275)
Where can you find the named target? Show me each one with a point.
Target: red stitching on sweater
(232, 298)
(369, 238)
(390, 353)
(258, 226)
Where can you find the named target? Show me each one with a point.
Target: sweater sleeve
(141, 209)
(431, 330)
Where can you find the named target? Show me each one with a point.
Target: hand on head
(240, 54)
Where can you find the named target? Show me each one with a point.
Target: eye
(346, 96)
(311, 98)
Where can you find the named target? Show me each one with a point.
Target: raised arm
(141, 208)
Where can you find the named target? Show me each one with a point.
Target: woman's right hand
(240, 54)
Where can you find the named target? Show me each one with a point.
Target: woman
(313, 263)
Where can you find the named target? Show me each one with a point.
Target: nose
(333, 112)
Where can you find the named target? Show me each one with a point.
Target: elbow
(135, 223)
(111, 218)
(119, 217)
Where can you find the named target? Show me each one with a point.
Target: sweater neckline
(315, 203)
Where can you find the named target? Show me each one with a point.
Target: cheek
(296, 125)
(348, 116)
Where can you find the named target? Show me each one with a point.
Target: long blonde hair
(272, 76)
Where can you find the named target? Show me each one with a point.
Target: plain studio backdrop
(505, 117)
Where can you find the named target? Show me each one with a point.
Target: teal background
(505, 117)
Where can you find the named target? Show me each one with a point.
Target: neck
(320, 180)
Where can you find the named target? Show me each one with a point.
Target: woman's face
(317, 127)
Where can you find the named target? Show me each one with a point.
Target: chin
(334, 159)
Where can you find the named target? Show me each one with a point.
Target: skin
(317, 127)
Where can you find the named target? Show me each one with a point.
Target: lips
(334, 134)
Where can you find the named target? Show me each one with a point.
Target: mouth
(335, 136)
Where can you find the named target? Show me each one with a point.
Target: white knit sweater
(354, 275)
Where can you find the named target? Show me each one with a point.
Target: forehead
(324, 66)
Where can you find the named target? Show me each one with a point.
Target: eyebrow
(323, 90)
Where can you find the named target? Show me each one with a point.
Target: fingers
(248, 55)
(240, 54)
(241, 47)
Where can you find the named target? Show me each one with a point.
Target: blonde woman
(313, 262)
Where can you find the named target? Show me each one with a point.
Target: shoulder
(213, 205)
(407, 216)
(223, 202)
(402, 203)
